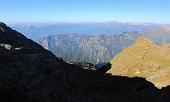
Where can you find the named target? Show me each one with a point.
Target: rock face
(144, 59)
(99, 48)
(93, 49)
(29, 73)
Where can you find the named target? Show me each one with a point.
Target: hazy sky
(17, 11)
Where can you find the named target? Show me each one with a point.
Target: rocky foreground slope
(144, 59)
(29, 73)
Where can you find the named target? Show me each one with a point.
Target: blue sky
(27, 11)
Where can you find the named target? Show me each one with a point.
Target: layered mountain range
(99, 48)
(30, 73)
(34, 31)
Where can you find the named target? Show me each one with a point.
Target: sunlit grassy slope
(144, 59)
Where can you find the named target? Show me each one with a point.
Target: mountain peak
(2, 24)
(2, 27)
(143, 41)
(143, 59)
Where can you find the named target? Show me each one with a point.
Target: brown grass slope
(144, 59)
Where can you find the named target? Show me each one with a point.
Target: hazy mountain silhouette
(35, 30)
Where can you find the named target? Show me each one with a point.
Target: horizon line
(74, 22)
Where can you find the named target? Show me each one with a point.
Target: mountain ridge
(143, 59)
(99, 48)
(108, 28)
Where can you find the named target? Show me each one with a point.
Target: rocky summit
(144, 59)
(30, 73)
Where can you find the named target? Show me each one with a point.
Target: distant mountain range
(144, 59)
(99, 48)
(37, 31)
